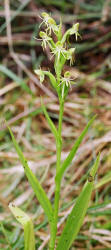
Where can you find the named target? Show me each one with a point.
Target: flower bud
(67, 74)
(44, 15)
(42, 34)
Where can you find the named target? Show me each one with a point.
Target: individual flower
(45, 39)
(49, 22)
(70, 55)
(72, 31)
(40, 73)
(66, 81)
(75, 30)
(59, 50)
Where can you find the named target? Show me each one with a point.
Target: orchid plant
(61, 84)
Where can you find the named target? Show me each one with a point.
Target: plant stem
(57, 182)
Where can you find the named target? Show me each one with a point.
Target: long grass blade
(4, 232)
(15, 78)
(26, 222)
(76, 217)
(104, 180)
(74, 149)
(36, 186)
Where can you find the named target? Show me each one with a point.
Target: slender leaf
(15, 78)
(27, 224)
(74, 149)
(76, 217)
(50, 122)
(4, 232)
(52, 78)
(37, 188)
(104, 180)
(18, 10)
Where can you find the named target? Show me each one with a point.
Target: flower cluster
(59, 51)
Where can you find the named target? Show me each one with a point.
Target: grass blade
(74, 149)
(4, 232)
(51, 124)
(15, 78)
(18, 10)
(76, 217)
(104, 180)
(36, 186)
(25, 220)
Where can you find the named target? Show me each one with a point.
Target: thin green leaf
(15, 78)
(37, 188)
(4, 232)
(18, 10)
(76, 217)
(74, 149)
(52, 78)
(51, 124)
(25, 220)
(104, 180)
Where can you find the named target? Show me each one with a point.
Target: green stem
(61, 117)
(57, 182)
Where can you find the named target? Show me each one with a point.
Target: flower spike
(60, 51)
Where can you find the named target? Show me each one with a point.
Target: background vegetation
(20, 91)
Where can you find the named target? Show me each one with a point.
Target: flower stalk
(61, 84)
